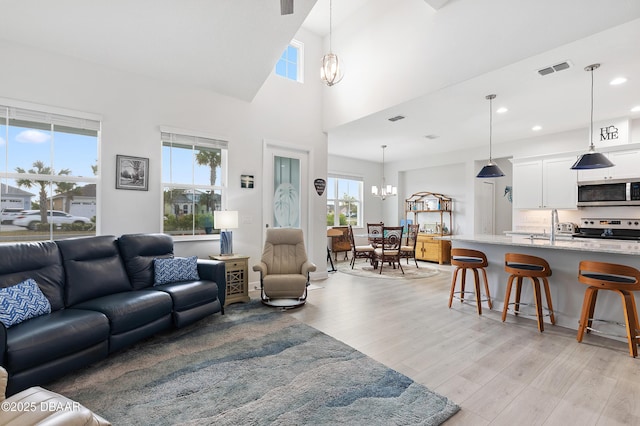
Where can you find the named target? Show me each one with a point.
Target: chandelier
(332, 69)
(384, 190)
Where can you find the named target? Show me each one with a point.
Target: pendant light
(592, 159)
(332, 69)
(490, 170)
(384, 190)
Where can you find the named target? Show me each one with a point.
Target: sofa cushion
(38, 260)
(186, 295)
(21, 302)
(129, 310)
(93, 268)
(176, 269)
(139, 251)
(53, 336)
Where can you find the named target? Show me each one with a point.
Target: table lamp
(225, 220)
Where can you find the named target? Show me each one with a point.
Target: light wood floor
(499, 373)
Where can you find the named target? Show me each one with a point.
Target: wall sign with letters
(611, 132)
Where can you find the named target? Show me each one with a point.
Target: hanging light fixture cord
(383, 179)
(591, 68)
(491, 98)
(330, 26)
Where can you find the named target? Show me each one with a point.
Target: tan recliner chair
(284, 268)
(38, 406)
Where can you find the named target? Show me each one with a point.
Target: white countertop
(561, 243)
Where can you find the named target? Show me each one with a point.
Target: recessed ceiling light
(501, 110)
(617, 81)
(536, 128)
(635, 108)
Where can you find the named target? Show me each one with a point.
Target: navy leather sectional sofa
(102, 300)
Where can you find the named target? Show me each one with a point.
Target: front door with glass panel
(285, 176)
(286, 195)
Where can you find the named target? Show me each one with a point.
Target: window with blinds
(194, 174)
(49, 170)
(344, 200)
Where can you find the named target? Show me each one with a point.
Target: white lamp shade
(225, 219)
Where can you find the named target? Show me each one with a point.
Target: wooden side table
(237, 269)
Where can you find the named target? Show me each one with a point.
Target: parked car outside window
(31, 218)
(8, 214)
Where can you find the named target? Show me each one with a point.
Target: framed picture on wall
(246, 181)
(132, 173)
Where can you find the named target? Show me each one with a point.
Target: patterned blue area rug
(253, 366)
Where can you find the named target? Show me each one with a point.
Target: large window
(194, 180)
(48, 174)
(290, 64)
(344, 201)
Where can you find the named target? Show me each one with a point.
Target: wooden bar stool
(521, 266)
(474, 260)
(622, 279)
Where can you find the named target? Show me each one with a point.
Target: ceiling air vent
(554, 68)
(396, 118)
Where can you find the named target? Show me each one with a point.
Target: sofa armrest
(3, 343)
(214, 270)
(308, 267)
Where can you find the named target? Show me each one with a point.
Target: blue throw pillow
(22, 301)
(175, 269)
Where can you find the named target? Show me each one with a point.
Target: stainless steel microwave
(609, 193)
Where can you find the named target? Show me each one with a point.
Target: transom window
(48, 174)
(194, 175)
(290, 63)
(344, 201)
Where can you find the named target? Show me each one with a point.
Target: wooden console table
(431, 249)
(237, 269)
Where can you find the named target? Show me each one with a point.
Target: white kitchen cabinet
(625, 166)
(559, 183)
(527, 185)
(545, 184)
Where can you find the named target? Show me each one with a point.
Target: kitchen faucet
(554, 223)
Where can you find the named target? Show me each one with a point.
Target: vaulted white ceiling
(231, 46)
(228, 46)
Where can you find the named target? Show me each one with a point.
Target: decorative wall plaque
(320, 185)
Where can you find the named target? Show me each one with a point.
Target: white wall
(448, 180)
(132, 109)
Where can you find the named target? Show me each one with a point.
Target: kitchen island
(564, 255)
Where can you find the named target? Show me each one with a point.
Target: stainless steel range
(613, 229)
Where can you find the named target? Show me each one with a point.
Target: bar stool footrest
(546, 312)
(604, 333)
(471, 299)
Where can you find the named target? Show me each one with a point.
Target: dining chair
(359, 252)
(389, 251)
(374, 233)
(408, 251)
